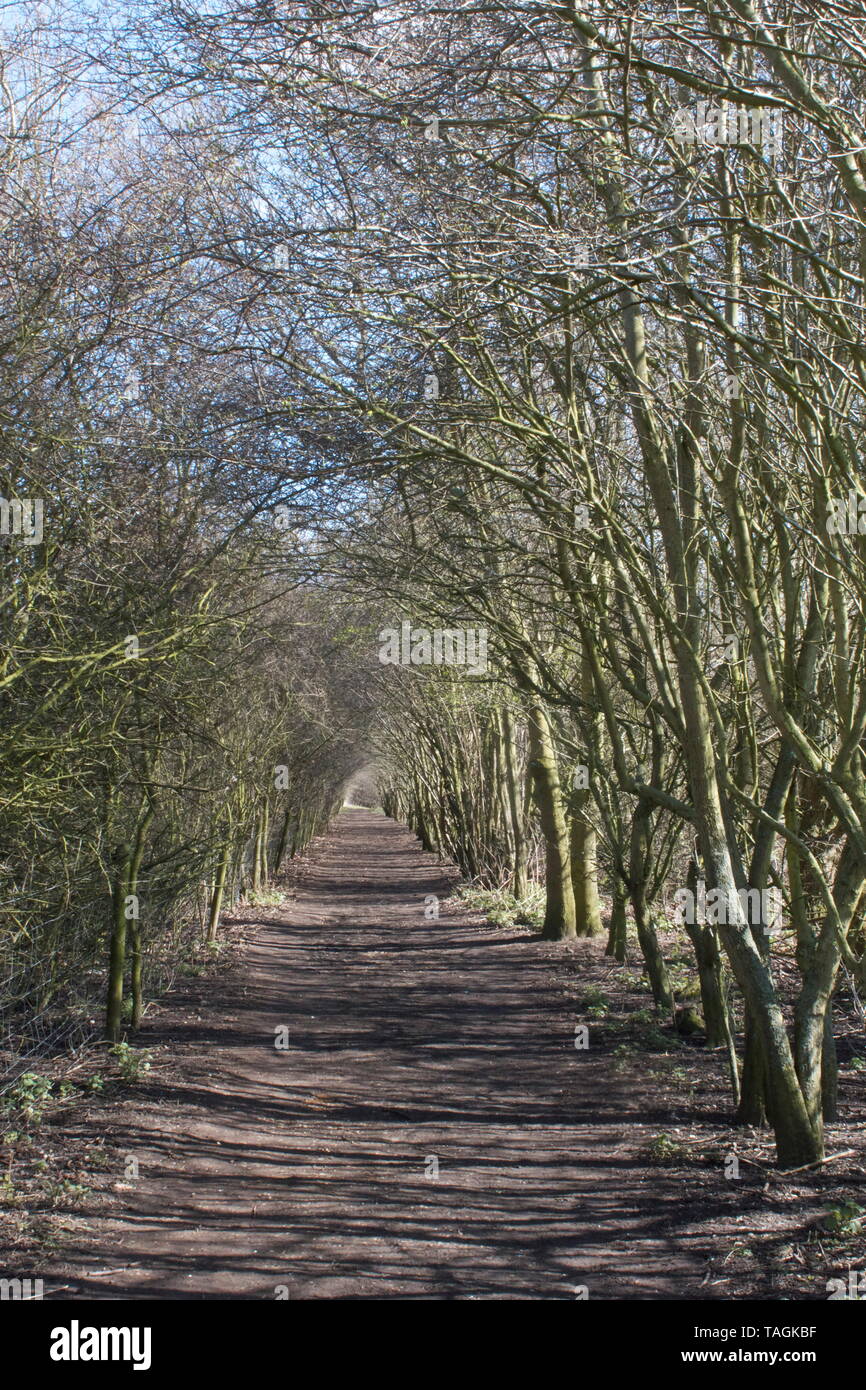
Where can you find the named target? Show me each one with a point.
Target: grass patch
(265, 897)
(595, 1003)
(664, 1152)
(501, 907)
(843, 1219)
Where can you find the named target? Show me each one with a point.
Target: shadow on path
(430, 1131)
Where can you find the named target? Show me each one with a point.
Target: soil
(431, 1130)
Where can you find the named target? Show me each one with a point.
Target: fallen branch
(786, 1172)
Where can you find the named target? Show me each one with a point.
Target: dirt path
(411, 1043)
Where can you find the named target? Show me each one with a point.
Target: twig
(786, 1172)
(845, 1153)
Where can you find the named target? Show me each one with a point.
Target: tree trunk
(137, 965)
(584, 874)
(216, 901)
(584, 867)
(559, 917)
(519, 874)
(259, 864)
(657, 971)
(799, 1139)
(752, 1109)
(117, 951)
(617, 937)
(283, 840)
(711, 975)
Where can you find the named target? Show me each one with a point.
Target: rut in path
(312, 1169)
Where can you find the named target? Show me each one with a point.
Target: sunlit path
(430, 1130)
